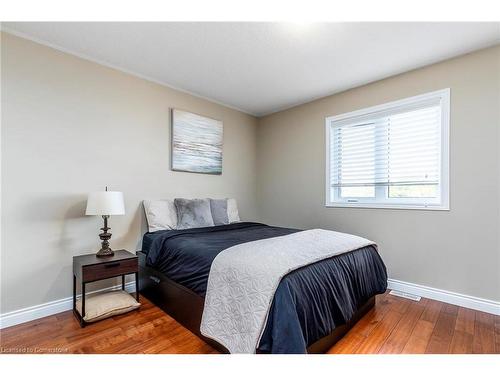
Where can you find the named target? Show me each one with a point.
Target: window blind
(396, 148)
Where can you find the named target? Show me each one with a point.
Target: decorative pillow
(218, 207)
(232, 211)
(103, 305)
(161, 215)
(193, 213)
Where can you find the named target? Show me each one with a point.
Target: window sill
(388, 206)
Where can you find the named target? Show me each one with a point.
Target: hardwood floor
(147, 330)
(398, 325)
(394, 325)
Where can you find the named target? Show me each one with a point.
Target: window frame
(331, 199)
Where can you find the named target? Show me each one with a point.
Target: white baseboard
(45, 309)
(475, 303)
(65, 304)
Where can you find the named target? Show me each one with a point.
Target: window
(393, 155)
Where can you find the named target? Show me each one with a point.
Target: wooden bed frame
(186, 307)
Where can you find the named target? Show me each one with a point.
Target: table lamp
(105, 203)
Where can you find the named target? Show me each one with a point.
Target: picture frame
(196, 143)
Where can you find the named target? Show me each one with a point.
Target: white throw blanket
(244, 278)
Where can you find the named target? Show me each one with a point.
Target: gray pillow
(193, 213)
(219, 211)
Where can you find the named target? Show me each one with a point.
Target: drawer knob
(111, 265)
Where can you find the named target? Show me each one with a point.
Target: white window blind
(390, 155)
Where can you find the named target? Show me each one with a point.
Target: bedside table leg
(82, 322)
(74, 292)
(137, 286)
(123, 282)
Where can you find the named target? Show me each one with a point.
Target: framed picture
(196, 143)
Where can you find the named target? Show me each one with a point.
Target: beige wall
(456, 250)
(70, 126)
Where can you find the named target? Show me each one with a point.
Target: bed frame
(186, 307)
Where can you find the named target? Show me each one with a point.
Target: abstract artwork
(196, 143)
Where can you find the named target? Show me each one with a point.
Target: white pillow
(103, 305)
(232, 211)
(161, 214)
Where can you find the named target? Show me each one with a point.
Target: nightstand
(90, 268)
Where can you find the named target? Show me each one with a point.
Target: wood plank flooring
(394, 325)
(397, 325)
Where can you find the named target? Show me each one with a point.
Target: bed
(312, 307)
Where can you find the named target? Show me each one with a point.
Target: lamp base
(105, 253)
(105, 237)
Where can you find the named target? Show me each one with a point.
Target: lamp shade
(105, 203)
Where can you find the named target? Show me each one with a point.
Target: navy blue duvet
(309, 303)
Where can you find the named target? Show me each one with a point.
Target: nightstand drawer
(109, 269)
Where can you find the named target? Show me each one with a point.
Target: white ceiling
(262, 68)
